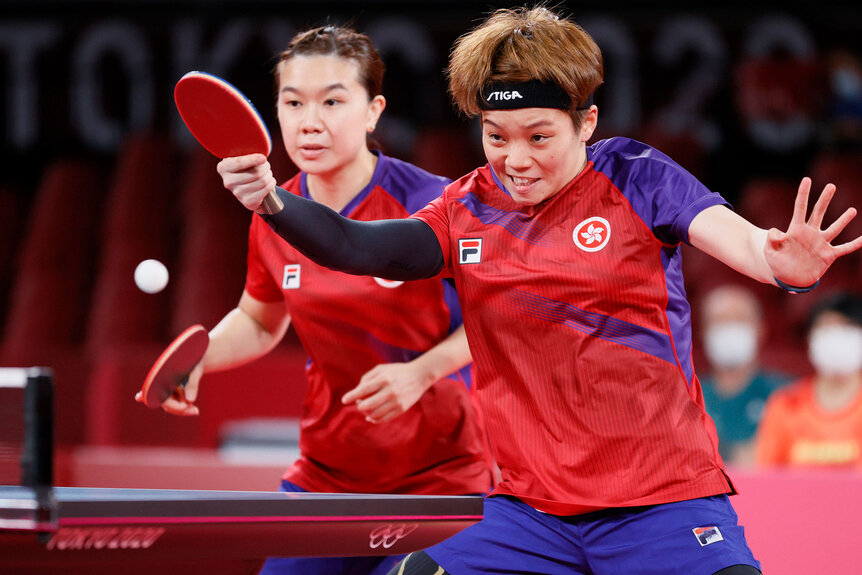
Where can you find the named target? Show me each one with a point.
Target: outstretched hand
(802, 254)
(388, 390)
(249, 178)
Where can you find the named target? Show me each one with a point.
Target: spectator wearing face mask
(736, 388)
(817, 421)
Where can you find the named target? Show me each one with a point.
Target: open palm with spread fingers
(802, 254)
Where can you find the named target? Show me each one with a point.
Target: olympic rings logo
(388, 535)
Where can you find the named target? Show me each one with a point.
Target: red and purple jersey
(348, 324)
(580, 331)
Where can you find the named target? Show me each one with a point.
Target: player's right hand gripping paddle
(223, 121)
(171, 370)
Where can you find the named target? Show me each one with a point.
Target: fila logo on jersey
(505, 95)
(290, 280)
(707, 535)
(592, 234)
(469, 250)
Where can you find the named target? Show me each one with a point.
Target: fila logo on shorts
(469, 250)
(707, 535)
(592, 234)
(505, 95)
(290, 280)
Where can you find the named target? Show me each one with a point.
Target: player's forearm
(404, 249)
(448, 356)
(732, 240)
(749, 256)
(239, 338)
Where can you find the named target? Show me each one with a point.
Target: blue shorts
(327, 565)
(694, 537)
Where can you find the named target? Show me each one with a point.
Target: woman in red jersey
(567, 260)
(387, 408)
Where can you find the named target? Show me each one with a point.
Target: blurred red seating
(768, 202)
(71, 367)
(683, 147)
(140, 224)
(779, 87)
(50, 295)
(702, 272)
(212, 261)
(845, 171)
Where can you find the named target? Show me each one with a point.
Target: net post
(37, 459)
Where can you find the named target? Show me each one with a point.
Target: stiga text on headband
(532, 94)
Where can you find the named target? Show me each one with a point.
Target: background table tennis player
(185, 531)
(223, 121)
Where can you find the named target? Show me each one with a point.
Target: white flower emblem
(592, 234)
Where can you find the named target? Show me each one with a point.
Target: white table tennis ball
(151, 276)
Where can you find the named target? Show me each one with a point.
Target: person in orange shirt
(817, 421)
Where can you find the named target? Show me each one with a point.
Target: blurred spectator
(736, 389)
(817, 421)
(845, 102)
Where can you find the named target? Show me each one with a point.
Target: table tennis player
(388, 407)
(567, 261)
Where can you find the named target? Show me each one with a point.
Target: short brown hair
(338, 41)
(523, 44)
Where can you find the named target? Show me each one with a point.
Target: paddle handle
(271, 204)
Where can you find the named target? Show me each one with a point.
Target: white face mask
(836, 349)
(730, 344)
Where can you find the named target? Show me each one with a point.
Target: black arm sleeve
(404, 249)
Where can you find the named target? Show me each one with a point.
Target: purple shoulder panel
(412, 186)
(662, 193)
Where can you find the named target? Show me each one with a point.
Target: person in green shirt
(736, 388)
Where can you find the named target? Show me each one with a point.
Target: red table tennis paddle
(223, 121)
(171, 370)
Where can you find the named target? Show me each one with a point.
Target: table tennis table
(90, 530)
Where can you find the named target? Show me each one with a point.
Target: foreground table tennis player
(387, 408)
(567, 262)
